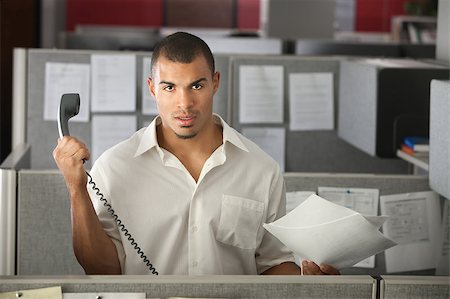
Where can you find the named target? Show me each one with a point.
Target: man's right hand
(69, 155)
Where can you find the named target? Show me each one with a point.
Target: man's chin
(186, 135)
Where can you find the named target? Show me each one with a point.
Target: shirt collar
(149, 137)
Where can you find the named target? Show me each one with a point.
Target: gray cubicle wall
(311, 151)
(396, 287)
(44, 243)
(42, 135)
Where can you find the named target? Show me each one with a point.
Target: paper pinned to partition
(148, 102)
(323, 232)
(414, 224)
(118, 295)
(443, 248)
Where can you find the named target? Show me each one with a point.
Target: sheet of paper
(103, 295)
(113, 83)
(414, 224)
(270, 140)
(324, 232)
(311, 101)
(294, 199)
(44, 293)
(362, 200)
(63, 78)
(443, 248)
(108, 130)
(261, 94)
(148, 102)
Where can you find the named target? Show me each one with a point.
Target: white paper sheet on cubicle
(324, 232)
(311, 105)
(113, 83)
(294, 199)
(261, 93)
(108, 130)
(61, 78)
(414, 224)
(270, 140)
(361, 200)
(443, 248)
(148, 102)
(42, 293)
(110, 295)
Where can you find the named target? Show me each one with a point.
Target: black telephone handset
(68, 108)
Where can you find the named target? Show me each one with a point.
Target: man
(189, 192)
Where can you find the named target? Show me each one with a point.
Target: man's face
(184, 94)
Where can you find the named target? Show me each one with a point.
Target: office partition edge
(19, 94)
(8, 178)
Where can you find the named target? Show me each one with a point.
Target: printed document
(362, 200)
(414, 224)
(261, 94)
(324, 232)
(113, 83)
(148, 102)
(311, 101)
(442, 255)
(270, 140)
(294, 199)
(61, 78)
(108, 130)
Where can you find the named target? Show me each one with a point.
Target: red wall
(114, 12)
(371, 15)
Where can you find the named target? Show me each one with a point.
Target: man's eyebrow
(198, 81)
(166, 82)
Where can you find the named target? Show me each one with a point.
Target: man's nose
(185, 99)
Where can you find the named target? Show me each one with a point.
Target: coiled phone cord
(121, 225)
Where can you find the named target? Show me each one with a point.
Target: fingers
(311, 268)
(70, 148)
(329, 270)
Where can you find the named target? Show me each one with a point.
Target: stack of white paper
(323, 232)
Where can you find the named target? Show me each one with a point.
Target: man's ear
(216, 81)
(151, 86)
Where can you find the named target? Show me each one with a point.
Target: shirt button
(194, 228)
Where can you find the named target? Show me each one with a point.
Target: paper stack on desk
(324, 232)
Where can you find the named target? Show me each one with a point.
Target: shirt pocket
(240, 219)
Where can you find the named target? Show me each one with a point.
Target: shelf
(418, 161)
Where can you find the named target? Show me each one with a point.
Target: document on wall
(443, 248)
(362, 200)
(414, 224)
(270, 140)
(61, 78)
(324, 232)
(113, 83)
(261, 94)
(148, 102)
(108, 130)
(44, 293)
(103, 295)
(311, 101)
(294, 199)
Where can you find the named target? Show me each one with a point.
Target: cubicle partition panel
(44, 238)
(383, 100)
(42, 134)
(440, 137)
(306, 150)
(386, 184)
(228, 286)
(437, 287)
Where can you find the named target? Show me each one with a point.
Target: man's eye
(168, 88)
(196, 86)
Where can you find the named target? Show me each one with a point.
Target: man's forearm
(93, 248)
(287, 268)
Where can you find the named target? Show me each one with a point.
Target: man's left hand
(311, 268)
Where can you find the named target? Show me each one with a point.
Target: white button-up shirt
(212, 226)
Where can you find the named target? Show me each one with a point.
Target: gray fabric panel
(42, 135)
(44, 230)
(440, 137)
(313, 151)
(228, 287)
(393, 287)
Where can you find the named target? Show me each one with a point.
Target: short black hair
(182, 47)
